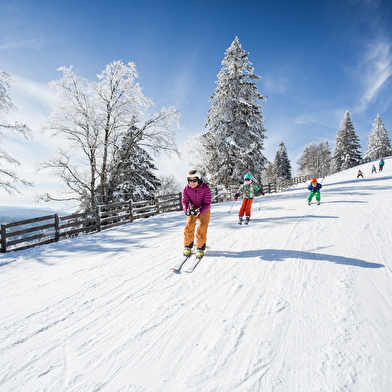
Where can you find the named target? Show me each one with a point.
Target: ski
(195, 261)
(178, 266)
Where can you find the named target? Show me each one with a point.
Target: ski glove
(236, 196)
(195, 212)
(191, 211)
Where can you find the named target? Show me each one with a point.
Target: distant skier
(381, 164)
(359, 174)
(374, 170)
(196, 203)
(314, 188)
(247, 191)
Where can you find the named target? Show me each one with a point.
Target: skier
(374, 170)
(381, 164)
(314, 188)
(359, 174)
(247, 190)
(196, 203)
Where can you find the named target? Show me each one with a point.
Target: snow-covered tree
(8, 177)
(282, 163)
(269, 174)
(96, 118)
(136, 179)
(379, 143)
(347, 150)
(315, 159)
(168, 185)
(233, 144)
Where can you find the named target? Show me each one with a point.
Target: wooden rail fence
(28, 233)
(47, 229)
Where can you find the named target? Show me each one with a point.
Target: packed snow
(298, 300)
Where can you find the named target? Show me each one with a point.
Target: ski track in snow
(298, 300)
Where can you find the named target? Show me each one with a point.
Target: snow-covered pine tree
(282, 163)
(234, 141)
(136, 179)
(315, 159)
(347, 150)
(379, 143)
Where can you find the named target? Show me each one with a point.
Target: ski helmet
(195, 174)
(247, 176)
(314, 179)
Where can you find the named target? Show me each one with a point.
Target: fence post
(180, 201)
(3, 239)
(130, 211)
(156, 201)
(98, 212)
(56, 227)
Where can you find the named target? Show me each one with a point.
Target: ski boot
(308, 203)
(240, 221)
(247, 220)
(318, 202)
(199, 253)
(187, 250)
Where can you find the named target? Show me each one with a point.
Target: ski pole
(231, 206)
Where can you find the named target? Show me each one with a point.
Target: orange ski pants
(245, 207)
(201, 233)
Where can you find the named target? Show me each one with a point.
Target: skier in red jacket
(196, 203)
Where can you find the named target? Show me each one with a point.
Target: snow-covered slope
(299, 300)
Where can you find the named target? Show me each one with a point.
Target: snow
(299, 300)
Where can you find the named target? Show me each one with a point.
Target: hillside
(299, 300)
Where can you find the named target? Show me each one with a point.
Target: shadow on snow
(281, 255)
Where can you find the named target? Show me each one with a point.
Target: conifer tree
(135, 180)
(379, 143)
(282, 163)
(347, 150)
(234, 141)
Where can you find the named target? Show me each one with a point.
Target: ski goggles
(193, 180)
(247, 179)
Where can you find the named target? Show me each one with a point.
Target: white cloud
(30, 43)
(374, 72)
(34, 102)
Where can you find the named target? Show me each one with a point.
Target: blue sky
(316, 58)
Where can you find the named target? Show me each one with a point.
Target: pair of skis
(190, 265)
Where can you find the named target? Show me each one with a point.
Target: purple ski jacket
(198, 198)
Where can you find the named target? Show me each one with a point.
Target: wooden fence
(51, 228)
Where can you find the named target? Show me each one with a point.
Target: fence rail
(28, 233)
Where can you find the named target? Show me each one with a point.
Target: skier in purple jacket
(196, 203)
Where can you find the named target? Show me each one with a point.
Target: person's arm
(207, 200)
(185, 199)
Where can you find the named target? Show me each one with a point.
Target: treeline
(318, 160)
